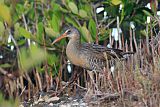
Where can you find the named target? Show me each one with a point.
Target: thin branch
(112, 21)
(2, 71)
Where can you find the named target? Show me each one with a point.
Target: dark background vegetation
(34, 65)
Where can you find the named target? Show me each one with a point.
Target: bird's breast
(85, 57)
(76, 57)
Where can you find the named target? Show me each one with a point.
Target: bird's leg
(91, 75)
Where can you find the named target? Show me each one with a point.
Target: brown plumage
(88, 56)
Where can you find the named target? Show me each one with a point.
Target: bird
(89, 56)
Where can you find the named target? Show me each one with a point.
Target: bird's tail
(118, 53)
(127, 54)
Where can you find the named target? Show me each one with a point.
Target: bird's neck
(73, 49)
(74, 43)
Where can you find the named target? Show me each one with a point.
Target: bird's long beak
(59, 38)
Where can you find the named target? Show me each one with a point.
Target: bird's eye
(68, 31)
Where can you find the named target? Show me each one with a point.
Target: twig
(134, 39)
(112, 21)
(80, 86)
(39, 80)
(4, 72)
(68, 83)
(22, 91)
(119, 36)
(95, 18)
(110, 97)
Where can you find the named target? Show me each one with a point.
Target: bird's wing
(98, 50)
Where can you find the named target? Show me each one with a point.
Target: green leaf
(20, 9)
(21, 42)
(37, 54)
(92, 28)
(40, 32)
(148, 13)
(116, 2)
(50, 32)
(63, 10)
(30, 57)
(8, 102)
(24, 32)
(55, 6)
(112, 10)
(154, 6)
(82, 13)
(3, 34)
(73, 7)
(55, 23)
(2, 28)
(128, 8)
(6, 65)
(31, 14)
(52, 59)
(104, 34)
(71, 21)
(1, 1)
(16, 30)
(5, 14)
(143, 32)
(86, 34)
(88, 9)
(15, 18)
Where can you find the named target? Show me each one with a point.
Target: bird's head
(71, 33)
